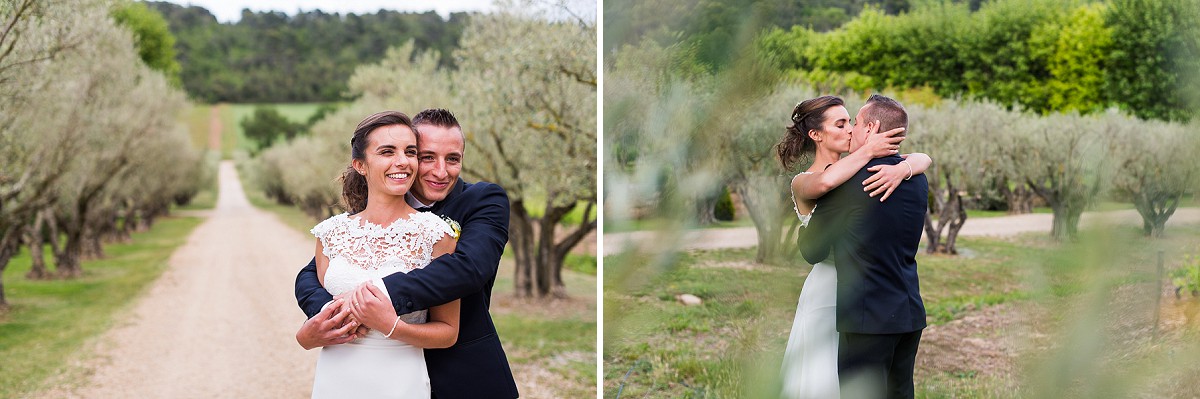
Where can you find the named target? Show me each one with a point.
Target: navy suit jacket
(874, 247)
(475, 367)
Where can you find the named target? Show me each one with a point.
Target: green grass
(579, 263)
(196, 119)
(559, 336)
(566, 347)
(732, 345)
(1105, 206)
(232, 137)
(50, 321)
(537, 205)
(659, 223)
(233, 114)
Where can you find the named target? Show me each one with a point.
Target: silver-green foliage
(964, 139)
(89, 131)
(1155, 167)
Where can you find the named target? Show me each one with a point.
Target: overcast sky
(231, 10)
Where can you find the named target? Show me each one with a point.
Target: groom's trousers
(877, 365)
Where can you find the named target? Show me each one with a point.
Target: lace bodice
(360, 251)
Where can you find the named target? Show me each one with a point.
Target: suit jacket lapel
(459, 186)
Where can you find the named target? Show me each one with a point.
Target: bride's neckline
(362, 222)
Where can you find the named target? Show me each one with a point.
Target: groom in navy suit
(880, 314)
(475, 366)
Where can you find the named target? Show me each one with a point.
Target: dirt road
(220, 321)
(744, 237)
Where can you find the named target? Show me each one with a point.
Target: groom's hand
(370, 306)
(329, 327)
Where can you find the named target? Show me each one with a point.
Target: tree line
(524, 88)
(1142, 56)
(308, 57)
(713, 29)
(90, 145)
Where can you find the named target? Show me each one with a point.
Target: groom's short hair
(439, 117)
(887, 111)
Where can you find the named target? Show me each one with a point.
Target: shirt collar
(416, 203)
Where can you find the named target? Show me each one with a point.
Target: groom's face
(439, 161)
(861, 129)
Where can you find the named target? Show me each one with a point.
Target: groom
(880, 314)
(475, 367)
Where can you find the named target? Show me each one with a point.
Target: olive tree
(1156, 167)
(36, 122)
(964, 139)
(88, 130)
(127, 110)
(760, 180)
(1062, 157)
(526, 87)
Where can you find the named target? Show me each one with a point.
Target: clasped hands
(349, 316)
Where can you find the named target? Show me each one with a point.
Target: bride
(820, 130)
(377, 238)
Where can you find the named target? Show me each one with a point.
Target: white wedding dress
(374, 366)
(810, 360)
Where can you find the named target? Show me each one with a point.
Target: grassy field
(745, 221)
(198, 117)
(1018, 317)
(50, 321)
(551, 342)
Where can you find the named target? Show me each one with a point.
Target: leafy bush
(1043, 55)
(1188, 276)
(267, 125)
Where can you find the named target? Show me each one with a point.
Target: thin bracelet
(909, 165)
(394, 323)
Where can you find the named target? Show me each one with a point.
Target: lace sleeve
(435, 227)
(324, 230)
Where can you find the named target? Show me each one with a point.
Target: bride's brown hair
(354, 185)
(808, 115)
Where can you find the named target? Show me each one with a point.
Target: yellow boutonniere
(454, 227)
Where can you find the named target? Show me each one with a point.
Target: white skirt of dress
(810, 360)
(371, 367)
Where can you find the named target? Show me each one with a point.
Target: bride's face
(390, 165)
(835, 130)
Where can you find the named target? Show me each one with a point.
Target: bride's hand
(371, 308)
(345, 299)
(881, 144)
(886, 179)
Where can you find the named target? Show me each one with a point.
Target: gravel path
(745, 237)
(221, 319)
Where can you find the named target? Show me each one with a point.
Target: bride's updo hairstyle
(354, 185)
(808, 115)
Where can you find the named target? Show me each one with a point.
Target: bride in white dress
(820, 130)
(380, 237)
